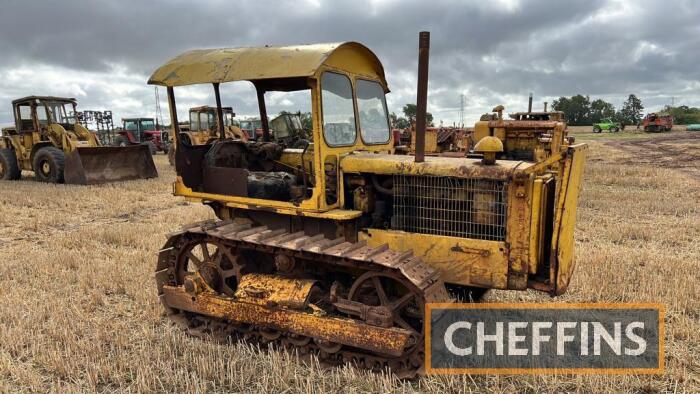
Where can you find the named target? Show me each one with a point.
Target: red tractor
(146, 131)
(657, 122)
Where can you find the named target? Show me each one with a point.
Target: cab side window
(193, 121)
(25, 117)
(338, 111)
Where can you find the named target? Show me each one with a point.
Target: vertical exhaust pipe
(545, 106)
(422, 96)
(529, 104)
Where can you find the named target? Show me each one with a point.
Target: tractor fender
(129, 136)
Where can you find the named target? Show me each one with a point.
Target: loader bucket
(94, 165)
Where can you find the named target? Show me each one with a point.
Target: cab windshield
(148, 124)
(61, 112)
(371, 106)
(228, 118)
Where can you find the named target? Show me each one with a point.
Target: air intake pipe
(422, 95)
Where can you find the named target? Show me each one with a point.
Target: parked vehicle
(607, 125)
(145, 131)
(48, 140)
(654, 122)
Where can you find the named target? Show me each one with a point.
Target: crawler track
(365, 307)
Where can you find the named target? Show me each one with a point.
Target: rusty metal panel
(275, 290)
(247, 64)
(95, 165)
(226, 181)
(463, 261)
(389, 341)
(565, 219)
(433, 165)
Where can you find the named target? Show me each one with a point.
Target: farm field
(79, 312)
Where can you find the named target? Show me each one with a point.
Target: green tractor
(608, 125)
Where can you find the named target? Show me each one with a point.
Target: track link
(360, 264)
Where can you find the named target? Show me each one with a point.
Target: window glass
(371, 108)
(203, 121)
(211, 120)
(193, 121)
(60, 111)
(130, 125)
(338, 112)
(148, 125)
(41, 114)
(25, 112)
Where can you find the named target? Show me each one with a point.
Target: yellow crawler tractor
(334, 249)
(203, 128)
(48, 140)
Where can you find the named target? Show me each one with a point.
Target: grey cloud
(495, 52)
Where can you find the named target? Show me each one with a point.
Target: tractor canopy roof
(44, 98)
(273, 68)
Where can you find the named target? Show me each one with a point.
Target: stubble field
(78, 308)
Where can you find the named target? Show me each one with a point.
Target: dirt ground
(78, 308)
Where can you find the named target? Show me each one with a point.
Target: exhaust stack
(545, 106)
(422, 95)
(529, 104)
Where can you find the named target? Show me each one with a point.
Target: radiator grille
(467, 208)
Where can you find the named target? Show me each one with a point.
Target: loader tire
(9, 170)
(596, 129)
(48, 165)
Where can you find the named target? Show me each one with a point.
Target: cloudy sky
(493, 52)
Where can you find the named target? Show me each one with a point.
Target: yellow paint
(279, 290)
(246, 64)
(434, 165)
(469, 262)
(488, 144)
(565, 220)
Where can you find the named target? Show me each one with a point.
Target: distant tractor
(607, 124)
(252, 127)
(48, 140)
(203, 128)
(286, 129)
(144, 131)
(655, 122)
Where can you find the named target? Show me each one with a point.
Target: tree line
(581, 111)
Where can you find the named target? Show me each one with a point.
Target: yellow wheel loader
(335, 248)
(48, 140)
(203, 128)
